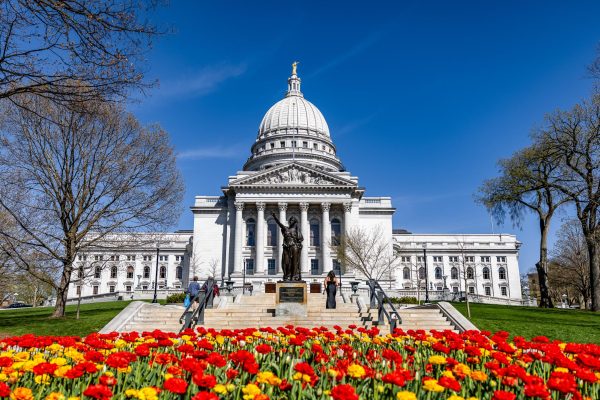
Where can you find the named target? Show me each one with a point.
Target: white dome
(293, 112)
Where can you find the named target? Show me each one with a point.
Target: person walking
(193, 290)
(331, 284)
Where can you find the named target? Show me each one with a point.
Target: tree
(365, 251)
(571, 262)
(463, 271)
(573, 142)
(523, 185)
(49, 48)
(72, 175)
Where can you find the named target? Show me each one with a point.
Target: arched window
(113, 272)
(162, 272)
(470, 273)
(454, 273)
(406, 273)
(314, 232)
(146, 272)
(438, 273)
(97, 272)
(336, 231)
(486, 273)
(250, 231)
(421, 273)
(130, 271)
(179, 272)
(271, 233)
(502, 273)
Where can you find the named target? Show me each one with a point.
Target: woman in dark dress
(331, 284)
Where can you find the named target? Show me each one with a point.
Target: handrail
(205, 298)
(378, 299)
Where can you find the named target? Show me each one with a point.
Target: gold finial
(294, 66)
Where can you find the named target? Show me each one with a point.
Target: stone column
(237, 246)
(347, 216)
(325, 238)
(304, 264)
(282, 218)
(260, 235)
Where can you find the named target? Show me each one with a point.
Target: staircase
(154, 316)
(426, 318)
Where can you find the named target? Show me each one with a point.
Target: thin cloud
(201, 82)
(354, 51)
(353, 125)
(202, 153)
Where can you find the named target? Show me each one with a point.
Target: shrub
(176, 298)
(404, 300)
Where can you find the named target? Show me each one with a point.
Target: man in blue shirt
(193, 290)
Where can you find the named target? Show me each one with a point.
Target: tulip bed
(293, 362)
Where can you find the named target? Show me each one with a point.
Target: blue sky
(422, 98)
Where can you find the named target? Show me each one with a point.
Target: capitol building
(294, 170)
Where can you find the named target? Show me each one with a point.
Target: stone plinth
(291, 299)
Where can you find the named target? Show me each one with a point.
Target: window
(305, 145)
(314, 266)
(405, 273)
(337, 267)
(78, 288)
(471, 290)
(420, 259)
(145, 287)
(453, 259)
(128, 288)
(130, 258)
(179, 272)
(455, 289)
(249, 266)
(421, 273)
(439, 288)
(438, 273)
(486, 273)
(293, 143)
(502, 273)
(98, 258)
(147, 272)
(178, 258)
(503, 291)
(323, 147)
(405, 259)
(469, 259)
(501, 259)
(488, 291)
(336, 231)
(271, 233)
(82, 257)
(272, 145)
(315, 146)
(485, 259)
(147, 258)
(454, 273)
(111, 289)
(271, 266)
(162, 272)
(314, 233)
(437, 259)
(114, 258)
(163, 258)
(250, 231)
(282, 144)
(97, 272)
(470, 273)
(95, 289)
(113, 272)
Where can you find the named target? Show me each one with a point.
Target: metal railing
(378, 299)
(205, 297)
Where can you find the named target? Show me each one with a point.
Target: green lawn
(92, 318)
(567, 325)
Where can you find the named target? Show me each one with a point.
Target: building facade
(294, 170)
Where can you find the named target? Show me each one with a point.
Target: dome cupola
(293, 130)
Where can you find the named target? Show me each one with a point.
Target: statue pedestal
(291, 299)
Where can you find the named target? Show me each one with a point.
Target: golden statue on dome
(294, 67)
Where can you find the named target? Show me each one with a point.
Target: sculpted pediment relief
(293, 175)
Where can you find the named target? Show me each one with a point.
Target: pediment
(293, 175)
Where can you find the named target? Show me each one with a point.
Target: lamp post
(244, 278)
(426, 274)
(155, 299)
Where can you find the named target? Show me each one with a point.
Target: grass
(92, 318)
(566, 325)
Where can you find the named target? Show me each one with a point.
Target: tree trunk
(594, 259)
(542, 267)
(62, 291)
(79, 301)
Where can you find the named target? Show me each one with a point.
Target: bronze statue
(292, 247)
